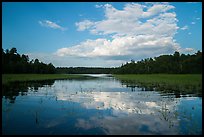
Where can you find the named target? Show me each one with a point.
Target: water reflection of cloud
(84, 124)
(131, 112)
(114, 112)
(139, 112)
(132, 124)
(128, 102)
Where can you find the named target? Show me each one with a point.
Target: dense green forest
(170, 64)
(12, 62)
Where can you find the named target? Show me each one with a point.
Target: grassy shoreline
(7, 78)
(175, 82)
(165, 78)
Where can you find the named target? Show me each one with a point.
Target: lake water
(102, 105)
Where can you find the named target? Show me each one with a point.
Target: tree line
(14, 63)
(84, 70)
(170, 64)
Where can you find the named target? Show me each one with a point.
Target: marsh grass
(7, 78)
(165, 82)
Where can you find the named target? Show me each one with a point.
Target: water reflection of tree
(12, 90)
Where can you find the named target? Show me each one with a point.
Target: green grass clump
(180, 82)
(6, 78)
(164, 78)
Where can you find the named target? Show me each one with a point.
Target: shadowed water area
(102, 105)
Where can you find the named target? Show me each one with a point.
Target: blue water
(95, 107)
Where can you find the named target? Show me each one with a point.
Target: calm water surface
(97, 106)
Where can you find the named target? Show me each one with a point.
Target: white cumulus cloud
(121, 46)
(136, 31)
(50, 24)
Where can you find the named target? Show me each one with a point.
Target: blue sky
(100, 34)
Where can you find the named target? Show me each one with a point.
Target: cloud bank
(137, 31)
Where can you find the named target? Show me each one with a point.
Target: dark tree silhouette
(12, 62)
(170, 64)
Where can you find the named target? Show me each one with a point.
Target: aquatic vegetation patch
(178, 83)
